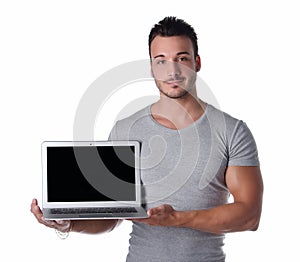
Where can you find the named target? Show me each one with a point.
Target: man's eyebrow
(179, 53)
(183, 53)
(158, 56)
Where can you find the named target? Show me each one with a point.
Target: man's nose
(173, 69)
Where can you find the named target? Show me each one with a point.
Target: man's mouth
(176, 81)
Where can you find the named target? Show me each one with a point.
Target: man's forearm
(94, 226)
(246, 186)
(223, 219)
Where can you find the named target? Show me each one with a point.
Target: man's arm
(95, 226)
(82, 226)
(246, 186)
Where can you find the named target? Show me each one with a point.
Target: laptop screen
(91, 173)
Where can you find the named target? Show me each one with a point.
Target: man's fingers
(37, 212)
(33, 205)
(154, 211)
(35, 209)
(160, 210)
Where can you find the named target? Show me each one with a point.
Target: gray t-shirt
(186, 169)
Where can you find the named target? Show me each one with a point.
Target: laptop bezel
(47, 204)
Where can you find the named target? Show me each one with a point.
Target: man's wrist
(184, 218)
(64, 234)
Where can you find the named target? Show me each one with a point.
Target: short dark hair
(173, 26)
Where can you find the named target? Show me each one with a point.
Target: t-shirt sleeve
(242, 147)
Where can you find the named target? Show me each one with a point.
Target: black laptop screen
(95, 173)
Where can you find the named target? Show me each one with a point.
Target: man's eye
(161, 62)
(182, 59)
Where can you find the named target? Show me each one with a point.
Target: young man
(193, 157)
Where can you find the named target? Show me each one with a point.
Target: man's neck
(178, 113)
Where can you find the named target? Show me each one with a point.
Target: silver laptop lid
(91, 174)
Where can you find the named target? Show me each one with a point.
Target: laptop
(91, 180)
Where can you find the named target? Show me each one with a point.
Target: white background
(51, 51)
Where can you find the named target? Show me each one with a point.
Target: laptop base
(49, 215)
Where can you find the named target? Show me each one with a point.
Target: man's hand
(163, 215)
(60, 225)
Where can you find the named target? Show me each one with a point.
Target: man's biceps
(244, 181)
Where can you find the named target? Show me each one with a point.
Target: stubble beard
(178, 95)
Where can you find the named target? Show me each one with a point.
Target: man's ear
(198, 63)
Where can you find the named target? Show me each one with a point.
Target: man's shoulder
(218, 117)
(235, 130)
(134, 117)
(127, 127)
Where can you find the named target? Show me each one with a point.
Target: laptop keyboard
(93, 210)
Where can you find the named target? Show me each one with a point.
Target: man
(193, 157)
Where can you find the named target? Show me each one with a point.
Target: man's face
(173, 65)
